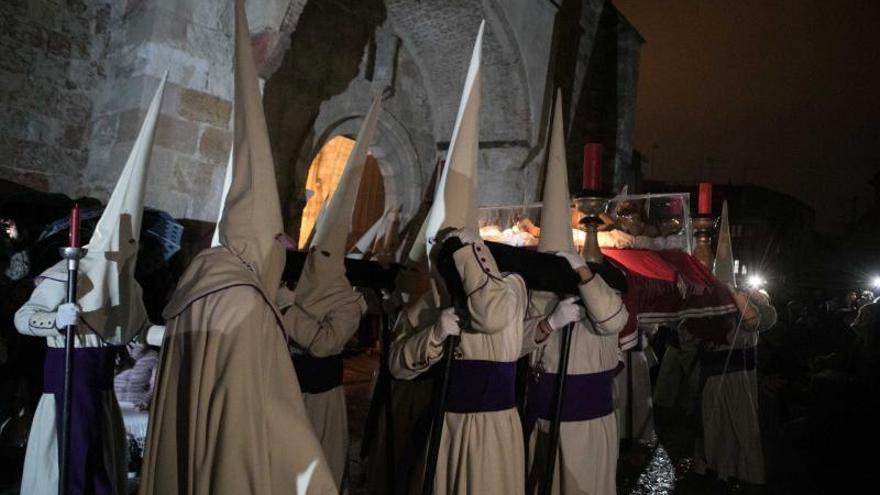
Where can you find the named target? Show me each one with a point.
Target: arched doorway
(323, 177)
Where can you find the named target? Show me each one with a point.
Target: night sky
(780, 93)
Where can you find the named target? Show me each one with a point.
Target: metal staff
(72, 254)
(630, 407)
(381, 398)
(550, 469)
(387, 396)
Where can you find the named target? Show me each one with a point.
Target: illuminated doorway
(323, 177)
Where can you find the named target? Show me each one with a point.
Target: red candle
(592, 180)
(704, 206)
(74, 226)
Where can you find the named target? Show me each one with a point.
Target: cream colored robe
(227, 416)
(731, 443)
(40, 475)
(586, 462)
(637, 364)
(479, 452)
(322, 338)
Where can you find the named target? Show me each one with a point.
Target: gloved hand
(155, 335)
(67, 314)
(447, 324)
(567, 311)
(464, 235)
(574, 260)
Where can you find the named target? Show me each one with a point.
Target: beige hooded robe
(480, 452)
(586, 460)
(326, 310)
(227, 415)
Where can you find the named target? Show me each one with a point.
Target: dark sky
(778, 93)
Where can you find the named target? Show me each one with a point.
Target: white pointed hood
(556, 214)
(457, 198)
(412, 241)
(333, 229)
(251, 218)
(323, 275)
(227, 181)
(364, 245)
(723, 268)
(111, 299)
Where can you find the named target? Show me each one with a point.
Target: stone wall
(77, 76)
(629, 43)
(190, 40)
(50, 53)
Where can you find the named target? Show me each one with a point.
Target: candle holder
(704, 228)
(591, 207)
(73, 255)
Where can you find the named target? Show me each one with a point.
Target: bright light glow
(756, 281)
(875, 282)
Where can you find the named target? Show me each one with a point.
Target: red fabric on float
(666, 286)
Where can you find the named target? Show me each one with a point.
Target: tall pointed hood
(412, 239)
(332, 232)
(324, 272)
(723, 268)
(251, 218)
(456, 202)
(364, 245)
(227, 181)
(111, 300)
(556, 214)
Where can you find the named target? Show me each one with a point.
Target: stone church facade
(76, 77)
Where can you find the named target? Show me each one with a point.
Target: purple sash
(481, 386)
(92, 374)
(587, 396)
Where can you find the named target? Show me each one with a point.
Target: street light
(875, 282)
(756, 281)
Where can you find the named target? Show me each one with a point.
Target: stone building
(76, 77)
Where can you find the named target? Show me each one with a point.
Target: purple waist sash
(92, 374)
(587, 396)
(481, 386)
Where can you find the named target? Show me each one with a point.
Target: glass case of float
(636, 221)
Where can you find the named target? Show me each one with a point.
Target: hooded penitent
(456, 201)
(227, 415)
(323, 276)
(587, 455)
(481, 446)
(723, 269)
(110, 298)
(556, 213)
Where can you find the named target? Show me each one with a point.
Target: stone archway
(393, 149)
(421, 50)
